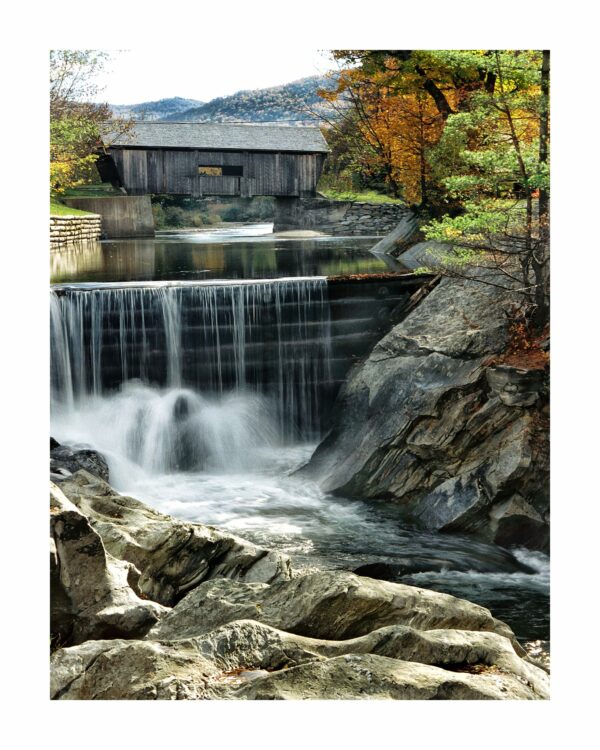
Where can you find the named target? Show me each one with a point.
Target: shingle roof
(221, 136)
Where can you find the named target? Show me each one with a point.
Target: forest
(463, 137)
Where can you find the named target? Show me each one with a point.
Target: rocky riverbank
(148, 607)
(428, 421)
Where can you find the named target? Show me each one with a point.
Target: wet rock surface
(65, 461)
(322, 635)
(418, 424)
(90, 593)
(170, 557)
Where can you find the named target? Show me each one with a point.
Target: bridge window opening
(212, 171)
(226, 171)
(233, 171)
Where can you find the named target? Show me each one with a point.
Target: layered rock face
(426, 422)
(249, 627)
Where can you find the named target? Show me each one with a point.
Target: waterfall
(267, 340)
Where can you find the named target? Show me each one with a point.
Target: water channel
(200, 364)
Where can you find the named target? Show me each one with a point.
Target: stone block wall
(72, 230)
(339, 218)
(372, 218)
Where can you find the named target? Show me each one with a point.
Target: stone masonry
(338, 218)
(70, 230)
(371, 218)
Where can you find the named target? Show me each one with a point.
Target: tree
(396, 103)
(76, 123)
(465, 135)
(493, 158)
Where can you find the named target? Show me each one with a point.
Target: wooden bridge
(223, 159)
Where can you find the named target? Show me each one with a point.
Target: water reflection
(218, 254)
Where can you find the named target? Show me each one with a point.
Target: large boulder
(90, 592)
(171, 557)
(246, 659)
(419, 424)
(65, 461)
(335, 605)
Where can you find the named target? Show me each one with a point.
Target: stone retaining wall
(72, 230)
(341, 218)
(372, 218)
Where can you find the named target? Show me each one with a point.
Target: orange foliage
(397, 124)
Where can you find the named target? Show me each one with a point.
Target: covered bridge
(222, 159)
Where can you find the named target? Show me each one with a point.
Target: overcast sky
(134, 76)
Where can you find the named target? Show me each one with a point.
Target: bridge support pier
(319, 214)
(288, 214)
(122, 215)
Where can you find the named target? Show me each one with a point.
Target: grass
(59, 209)
(98, 190)
(366, 196)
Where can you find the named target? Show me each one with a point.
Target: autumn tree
(465, 135)
(382, 131)
(76, 122)
(392, 106)
(399, 102)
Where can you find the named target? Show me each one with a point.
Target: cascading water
(204, 397)
(185, 346)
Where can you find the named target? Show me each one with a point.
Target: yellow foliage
(399, 125)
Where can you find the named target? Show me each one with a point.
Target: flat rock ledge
(147, 607)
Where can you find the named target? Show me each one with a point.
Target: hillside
(155, 110)
(295, 101)
(291, 102)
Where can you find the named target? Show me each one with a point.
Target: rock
(65, 461)
(418, 424)
(129, 670)
(367, 677)
(90, 594)
(246, 659)
(452, 503)
(516, 523)
(404, 234)
(171, 556)
(334, 605)
(513, 386)
(432, 255)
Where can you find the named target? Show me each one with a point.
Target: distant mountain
(296, 103)
(155, 110)
(292, 102)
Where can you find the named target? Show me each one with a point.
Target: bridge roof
(217, 136)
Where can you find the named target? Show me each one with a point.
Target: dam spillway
(291, 341)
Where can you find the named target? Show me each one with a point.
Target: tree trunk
(542, 261)
(545, 127)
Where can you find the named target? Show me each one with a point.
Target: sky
(133, 76)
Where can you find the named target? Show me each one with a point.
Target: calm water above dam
(216, 435)
(248, 252)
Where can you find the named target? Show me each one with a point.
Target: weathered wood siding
(144, 171)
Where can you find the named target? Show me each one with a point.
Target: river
(206, 400)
